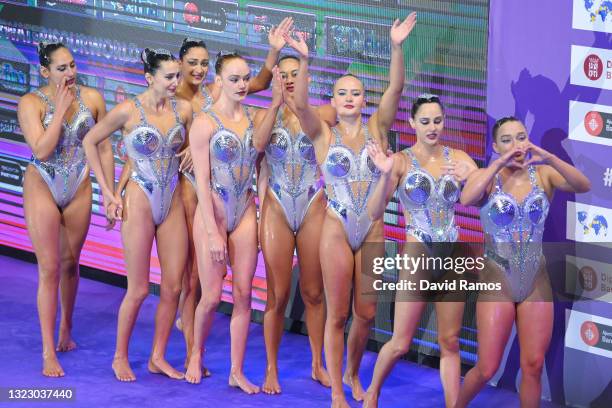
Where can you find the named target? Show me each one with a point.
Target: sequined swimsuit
(429, 203)
(514, 234)
(345, 173)
(294, 179)
(155, 164)
(66, 168)
(208, 101)
(232, 169)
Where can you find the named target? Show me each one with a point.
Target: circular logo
(119, 94)
(593, 123)
(589, 333)
(593, 67)
(191, 13)
(587, 278)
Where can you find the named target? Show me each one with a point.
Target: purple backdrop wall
(550, 65)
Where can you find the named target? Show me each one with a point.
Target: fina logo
(597, 226)
(589, 332)
(593, 67)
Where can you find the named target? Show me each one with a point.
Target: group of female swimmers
(325, 181)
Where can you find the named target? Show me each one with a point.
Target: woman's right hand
(113, 206)
(217, 247)
(298, 44)
(383, 161)
(63, 97)
(508, 159)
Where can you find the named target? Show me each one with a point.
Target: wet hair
(223, 57)
(422, 100)
(288, 57)
(152, 59)
(500, 122)
(46, 49)
(347, 75)
(189, 43)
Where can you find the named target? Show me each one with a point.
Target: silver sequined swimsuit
(429, 203)
(514, 233)
(232, 169)
(208, 101)
(155, 162)
(295, 178)
(66, 168)
(344, 172)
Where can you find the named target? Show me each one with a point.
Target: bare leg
(535, 323)
(449, 316)
(43, 223)
(242, 248)
(191, 284)
(137, 232)
(311, 286)
(73, 231)
(172, 252)
(364, 311)
(494, 325)
(211, 281)
(277, 243)
(337, 265)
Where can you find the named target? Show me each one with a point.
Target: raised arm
(307, 114)
(480, 181)
(43, 141)
(389, 166)
(199, 142)
(277, 42)
(265, 118)
(559, 174)
(387, 108)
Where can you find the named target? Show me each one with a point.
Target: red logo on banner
(593, 67)
(593, 123)
(191, 14)
(119, 94)
(589, 333)
(587, 278)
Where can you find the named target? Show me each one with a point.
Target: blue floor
(89, 373)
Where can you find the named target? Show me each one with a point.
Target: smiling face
(165, 80)
(61, 66)
(509, 136)
(428, 123)
(234, 79)
(349, 96)
(194, 65)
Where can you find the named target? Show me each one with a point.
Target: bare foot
(65, 342)
(370, 400)
(355, 384)
(52, 367)
(122, 369)
(194, 369)
(319, 374)
(205, 371)
(239, 380)
(271, 385)
(179, 324)
(161, 366)
(339, 401)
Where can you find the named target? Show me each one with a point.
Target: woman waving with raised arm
(350, 178)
